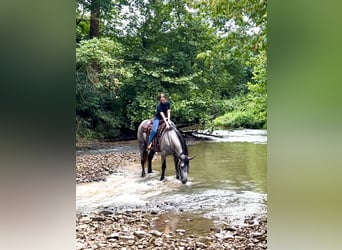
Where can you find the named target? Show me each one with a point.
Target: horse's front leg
(150, 157)
(163, 167)
(175, 159)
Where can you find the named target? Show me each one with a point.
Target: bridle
(181, 158)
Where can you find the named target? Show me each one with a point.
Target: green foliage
(98, 78)
(182, 48)
(237, 119)
(250, 110)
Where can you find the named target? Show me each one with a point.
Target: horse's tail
(140, 132)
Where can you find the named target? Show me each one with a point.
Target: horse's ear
(190, 158)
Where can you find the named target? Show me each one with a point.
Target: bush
(239, 119)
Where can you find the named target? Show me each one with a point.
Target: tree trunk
(94, 24)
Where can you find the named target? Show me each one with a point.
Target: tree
(198, 53)
(98, 107)
(97, 9)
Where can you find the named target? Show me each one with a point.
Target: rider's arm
(164, 118)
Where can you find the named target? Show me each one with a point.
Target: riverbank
(135, 229)
(97, 167)
(109, 228)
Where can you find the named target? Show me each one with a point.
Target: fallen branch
(197, 134)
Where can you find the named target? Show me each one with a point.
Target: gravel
(137, 230)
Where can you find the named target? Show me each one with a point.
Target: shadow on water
(227, 181)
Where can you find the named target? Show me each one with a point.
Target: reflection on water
(171, 222)
(228, 165)
(227, 180)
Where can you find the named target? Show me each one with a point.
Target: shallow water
(227, 181)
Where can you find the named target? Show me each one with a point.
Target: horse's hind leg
(150, 157)
(163, 168)
(143, 156)
(175, 159)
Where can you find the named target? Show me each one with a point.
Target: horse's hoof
(150, 172)
(161, 178)
(143, 174)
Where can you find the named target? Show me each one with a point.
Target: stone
(130, 242)
(141, 234)
(156, 233)
(257, 234)
(180, 230)
(126, 237)
(113, 236)
(218, 235)
(82, 226)
(200, 244)
(79, 245)
(98, 219)
(158, 243)
(228, 235)
(85, 220)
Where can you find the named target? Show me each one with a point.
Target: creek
(227, 182)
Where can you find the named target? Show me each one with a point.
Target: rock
(218, 235)
(158, 242)
(228, 235)
(82, 226)
(257, 234)
(113, 236)
(230, 228)
(168, 236)
(105, 212)
(79, 245)
(141, 234)
(130, 242)
(200, 244)
(85, 220)
(156, 233)
(180, 230)
(126, 237)
(107, 231)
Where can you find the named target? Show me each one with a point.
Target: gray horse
(171, 143)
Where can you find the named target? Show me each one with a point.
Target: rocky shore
(137, 229)
(96, 167)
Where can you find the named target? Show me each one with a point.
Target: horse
(171, 143)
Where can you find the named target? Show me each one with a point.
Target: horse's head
(183, 167)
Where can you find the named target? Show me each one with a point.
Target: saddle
(147, 128)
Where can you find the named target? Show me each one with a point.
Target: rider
(163, 112)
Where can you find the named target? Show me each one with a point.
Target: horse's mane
(182, 141)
